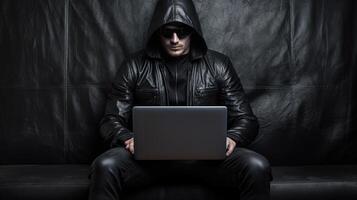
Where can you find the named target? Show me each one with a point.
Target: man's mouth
(175, 48)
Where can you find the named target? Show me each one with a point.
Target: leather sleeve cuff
(236, 139)
(120, 138)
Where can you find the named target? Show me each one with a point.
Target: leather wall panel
(31, 128)
(101, 35)
(31, 43)
(31, 81)
(85, 109)
(296, 60)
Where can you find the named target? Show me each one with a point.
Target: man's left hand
(129, 145)
(230, 145)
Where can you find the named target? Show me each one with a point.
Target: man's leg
(114, 170)
(243, 170)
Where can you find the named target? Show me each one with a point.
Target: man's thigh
(229, 172)
(121, 163)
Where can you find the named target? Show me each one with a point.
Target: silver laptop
(179, 132)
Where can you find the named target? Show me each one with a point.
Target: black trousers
(116, 170)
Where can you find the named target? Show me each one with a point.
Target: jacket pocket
(146, 96)
(206, 91)
(207, 96)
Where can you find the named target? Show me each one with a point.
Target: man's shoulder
(216, 57)
(135, 60)
(217, 60)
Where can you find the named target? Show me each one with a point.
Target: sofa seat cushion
(327, 182)
(52, 182)
(70, 182)
(40, 182)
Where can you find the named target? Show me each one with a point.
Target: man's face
(175, 40)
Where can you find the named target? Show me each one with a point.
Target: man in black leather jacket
(176, 68)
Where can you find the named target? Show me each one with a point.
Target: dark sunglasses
(181, 32)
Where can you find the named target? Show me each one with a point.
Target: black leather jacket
(212, 80)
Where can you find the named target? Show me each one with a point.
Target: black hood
(169, 11)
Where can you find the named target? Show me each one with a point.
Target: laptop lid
(179, 132)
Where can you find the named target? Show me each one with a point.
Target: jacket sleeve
(242, 123)
(116, 120)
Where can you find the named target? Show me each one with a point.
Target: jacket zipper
(163, 84)
(176, 97)
(191, 82)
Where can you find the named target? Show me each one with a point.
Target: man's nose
(174, 39)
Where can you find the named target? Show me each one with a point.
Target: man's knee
(252, 163)
(112, 159)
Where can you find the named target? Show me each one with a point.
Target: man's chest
(157, 85)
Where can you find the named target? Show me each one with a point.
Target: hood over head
(173, 11)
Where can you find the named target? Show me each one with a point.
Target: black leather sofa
(296, 60)
(44, 182)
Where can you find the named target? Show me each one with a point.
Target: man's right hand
(129, 145)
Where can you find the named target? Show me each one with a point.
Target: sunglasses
(181, 32)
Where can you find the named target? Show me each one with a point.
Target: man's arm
(114, 125)
(242, 124)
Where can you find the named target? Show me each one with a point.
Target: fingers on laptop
(230, 146)
(129, 145)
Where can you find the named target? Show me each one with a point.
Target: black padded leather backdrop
(296, 60)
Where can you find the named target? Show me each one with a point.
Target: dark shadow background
(296, 60)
